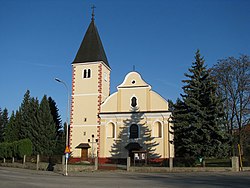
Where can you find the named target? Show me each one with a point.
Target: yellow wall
(117, 109)
(87, 96)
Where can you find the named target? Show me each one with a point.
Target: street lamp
(67, 128)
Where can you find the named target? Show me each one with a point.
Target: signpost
(67, 152)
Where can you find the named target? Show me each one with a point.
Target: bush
(185, 161)
(6, 150)
(24, 147)
(16, 149)
(2, 150)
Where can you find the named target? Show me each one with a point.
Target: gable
(134, 90)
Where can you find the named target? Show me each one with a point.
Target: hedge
(16, 149)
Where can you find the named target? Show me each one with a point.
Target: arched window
(157, 129)
(133, 130)
(134, 102)
(111, 130)
(86, 73)
(89, 73)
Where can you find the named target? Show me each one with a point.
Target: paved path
(23, 178)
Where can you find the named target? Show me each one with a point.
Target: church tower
(90, 87)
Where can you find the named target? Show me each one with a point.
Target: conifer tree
(24, 111)
(198, 116)
(47, 133)
(1, 126)
(33, 126)
(5, 117)
(3, 123)
(56, 117)
(12, 130)
(60, 133)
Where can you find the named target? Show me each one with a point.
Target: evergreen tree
(1, 126)
(5, 117)
(47, 133)
(3, 123)
(60, 133)
(198, 116)
(56, 117)
(183, 132)
(25, 110)
(33, 126)
(12, 130)
(60, 141)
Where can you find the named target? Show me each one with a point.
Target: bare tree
(233, 79)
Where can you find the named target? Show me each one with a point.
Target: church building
(133, 121)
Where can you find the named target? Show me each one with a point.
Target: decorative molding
(99, 105)
(72, 106)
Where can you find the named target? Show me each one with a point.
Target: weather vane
(93, 12)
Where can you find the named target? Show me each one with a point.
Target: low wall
(43, 166)
(179, 169)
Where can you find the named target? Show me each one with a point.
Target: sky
(39, 40)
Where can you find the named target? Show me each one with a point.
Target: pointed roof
(91, 49)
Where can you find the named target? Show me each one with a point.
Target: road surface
(24, 178)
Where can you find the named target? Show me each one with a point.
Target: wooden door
(84, 154)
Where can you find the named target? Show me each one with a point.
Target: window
(157, 129)
(134, 102)
(86, 73)
(133, 130)
(105, 77)
(111, 130)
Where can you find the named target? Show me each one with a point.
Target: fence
(56, 163)
(49, 163)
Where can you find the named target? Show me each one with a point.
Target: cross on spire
(93, 12)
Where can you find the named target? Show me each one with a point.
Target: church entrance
(132, 147)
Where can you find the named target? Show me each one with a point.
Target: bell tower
(90, 87)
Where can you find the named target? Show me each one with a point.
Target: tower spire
(93, 12)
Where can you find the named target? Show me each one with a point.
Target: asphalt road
(23, 178)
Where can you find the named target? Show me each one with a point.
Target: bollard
(235, 164)
(171, 163)
(96, 163)
(128, 163)
(37, 162)
(24, 159)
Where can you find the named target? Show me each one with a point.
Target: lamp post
(67, 128)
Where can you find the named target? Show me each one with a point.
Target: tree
(12, 129)
(25, 112)
(3, 122)
(45, 142)
(60, 132)
(1, 126)
(170, 105)
(56, 117)
(232, 76)
(198, 116)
